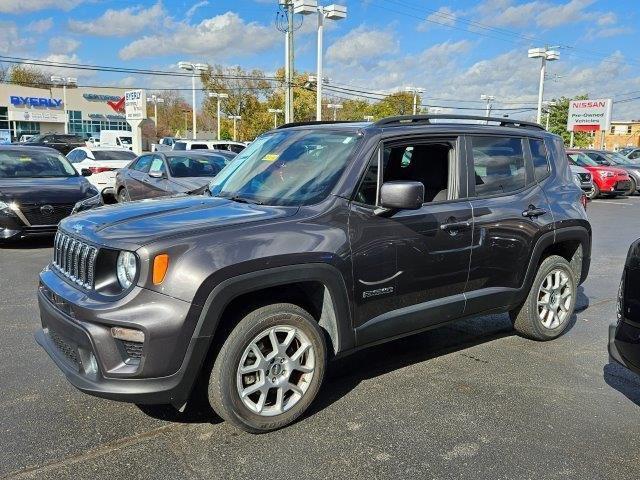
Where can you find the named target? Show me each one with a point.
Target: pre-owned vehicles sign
(589, 115)
(135, 105)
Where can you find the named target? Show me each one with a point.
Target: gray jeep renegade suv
(317, 240)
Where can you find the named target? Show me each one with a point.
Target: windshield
(582, 160)
(182, 166)
(14, 164)
(36, 139)
(615, 157)
(125, 140)
(288, 167)
(113, 155)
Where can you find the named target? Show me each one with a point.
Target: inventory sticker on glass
(270, 157)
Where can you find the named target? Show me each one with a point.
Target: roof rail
(316, 122)
(426, 119)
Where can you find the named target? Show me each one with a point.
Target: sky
(455, 50)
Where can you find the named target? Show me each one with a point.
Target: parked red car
(607, 181)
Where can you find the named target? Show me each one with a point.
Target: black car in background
(624, 336)
(64, 143)
(38, 188)
(161, 174)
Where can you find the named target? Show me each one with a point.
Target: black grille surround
(584, 177)
(50, 214)
(74, 259)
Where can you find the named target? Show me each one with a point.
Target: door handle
(533, 212)
(453, 227)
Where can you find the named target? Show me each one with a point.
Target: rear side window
(199, 146)
(498, 165)
(540, 158)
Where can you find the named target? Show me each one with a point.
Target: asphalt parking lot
(470, 400)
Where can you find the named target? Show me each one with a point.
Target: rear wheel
(269, 369)
(633, 187)
(546, 312)
(122, 196)
(596, 191)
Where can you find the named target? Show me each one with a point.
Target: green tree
(399, 103)
(558, 116)
(28, 77)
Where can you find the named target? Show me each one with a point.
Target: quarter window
(498, 165)
(540, 159)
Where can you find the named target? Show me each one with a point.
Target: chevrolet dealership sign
(589, 115)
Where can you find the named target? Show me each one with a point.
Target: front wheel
(122, 196)
(269, 369)
(632, 188)
(595, 193)
(547, 311)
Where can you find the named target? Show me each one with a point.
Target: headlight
(576, 178)
(604, 174)
(126, 268)
(87, 204)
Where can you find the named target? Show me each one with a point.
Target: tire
(281, 406)
(593, 193)
(528, 319)
(633, 188)
(596, 191)
(122, 196)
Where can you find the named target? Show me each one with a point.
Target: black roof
(24, 146)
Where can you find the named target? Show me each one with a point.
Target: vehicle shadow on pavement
(27, 243)
(195, 412)
(623, 380)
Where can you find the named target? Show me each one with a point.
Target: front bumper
(12, 228)
(624, 345)
(76, 327)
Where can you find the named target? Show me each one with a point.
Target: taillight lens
(95, 170)
(584, 201)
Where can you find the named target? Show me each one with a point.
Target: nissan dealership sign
(589, 115)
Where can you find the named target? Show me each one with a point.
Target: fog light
(127, 334)
(92, 367)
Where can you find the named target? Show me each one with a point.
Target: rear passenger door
(510, 213)
(136, 175)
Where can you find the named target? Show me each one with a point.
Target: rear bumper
(77, 340)
(624, 345)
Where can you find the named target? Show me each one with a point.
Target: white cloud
(222, 36)
(609, 32)
(63, 45)
(507, 13)
(40, 26)
(607, 19)
(10, 39)
(362, 45)
(554, 16)
(443, 16)
(23, 6)
(194, 8)
(120, 23)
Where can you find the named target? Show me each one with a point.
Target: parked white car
(235, 147)
(164, 145)
(116, 138)
(103, 162)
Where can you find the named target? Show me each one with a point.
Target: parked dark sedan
(624, 336)
(63, 143)
(160, 174)
(38, 188)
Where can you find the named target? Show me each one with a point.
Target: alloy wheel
(554, 299)
(275, 370)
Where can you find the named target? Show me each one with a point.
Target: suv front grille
(584, 177)
(75, 259)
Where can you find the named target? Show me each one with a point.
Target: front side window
(498, 164)
(287, 167)
(143, 163)
(17, 164)
(180, 146)
(157, 166)
(540, 159)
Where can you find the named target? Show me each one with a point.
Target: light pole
(218, 96)
(275, 112)
(64, 82)
(186, 116)
(155, 100)
(332, 12)
(335, 107)
(546, 54)
(193, 68)
(548, 105)
(368, 118)
(416, 92)
(489, 99)
(235, 118)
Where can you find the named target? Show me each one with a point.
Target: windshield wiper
(241, 199)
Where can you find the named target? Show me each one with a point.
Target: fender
(338, 325)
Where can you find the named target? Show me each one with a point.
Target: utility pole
(416, 92)
(285, 23)
(489, 99)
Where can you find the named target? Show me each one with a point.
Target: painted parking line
(609, 202)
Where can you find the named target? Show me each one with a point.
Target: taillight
(100, 169)
(584, 201)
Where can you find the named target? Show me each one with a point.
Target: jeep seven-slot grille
(74, 259)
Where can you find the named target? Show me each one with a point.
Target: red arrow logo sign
(117, 106)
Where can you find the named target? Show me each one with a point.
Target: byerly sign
(35, 102)
(135, 105)
(589, 115)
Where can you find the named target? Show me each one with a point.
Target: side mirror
(402, 195)
(156, 174)
(85, 172)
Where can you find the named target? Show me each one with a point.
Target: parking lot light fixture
(218, 96)
(335, 107)
(235, 119)
(275, 112)
(416, 91)
(194, 68)
(331, 12)
(489, 99)
(64, 82)
(546, 54)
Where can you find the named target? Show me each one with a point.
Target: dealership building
(30, 111)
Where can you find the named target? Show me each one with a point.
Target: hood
(64, 190)
(603, 168)
(578, 169)
(187, 184)
(139, 223)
